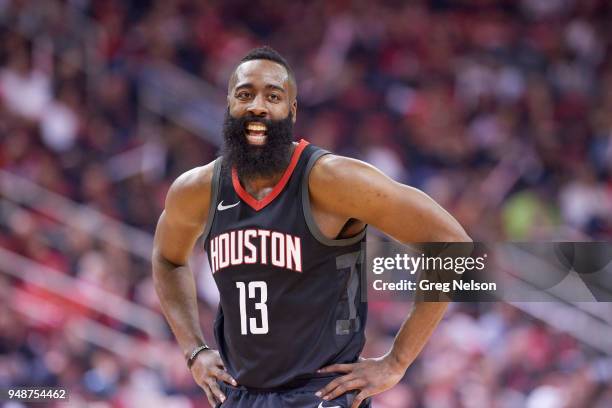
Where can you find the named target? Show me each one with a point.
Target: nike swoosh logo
(222, 207)
(321, 406)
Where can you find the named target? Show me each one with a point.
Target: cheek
(233, 108)
(280, 111)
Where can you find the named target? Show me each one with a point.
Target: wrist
(193, 354)
(397, 362)
(191, 343)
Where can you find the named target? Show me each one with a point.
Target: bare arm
(349, 188)
(179, 226)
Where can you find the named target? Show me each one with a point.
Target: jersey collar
(259, 204)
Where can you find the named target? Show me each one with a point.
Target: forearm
(415, 332)
(175, 286)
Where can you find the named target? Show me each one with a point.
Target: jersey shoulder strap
(315, 155)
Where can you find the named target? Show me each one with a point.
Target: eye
(274, 97)
(243, 95)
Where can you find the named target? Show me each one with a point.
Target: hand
(206, 370)
(371, 376)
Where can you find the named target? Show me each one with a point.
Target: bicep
(175, 238)
(184, 217)
(408, 214)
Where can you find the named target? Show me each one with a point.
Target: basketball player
(283, 224)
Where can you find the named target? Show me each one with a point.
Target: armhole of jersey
(214, 194)
(310, 221)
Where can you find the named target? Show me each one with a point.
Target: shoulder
(189, 195)
(334, 173)
(342, 185)
(192, 183)
(333, 169)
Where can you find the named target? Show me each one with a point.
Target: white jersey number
(261, 306)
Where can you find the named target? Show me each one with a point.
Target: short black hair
(268, 53)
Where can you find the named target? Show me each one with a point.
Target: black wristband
(194, 354)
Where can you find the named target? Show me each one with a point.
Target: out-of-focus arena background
(500, 110)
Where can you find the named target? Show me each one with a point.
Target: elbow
(160, 269)
(156, 258)
(158, 263)
(457, 235)
(161, 263)
(464, 237)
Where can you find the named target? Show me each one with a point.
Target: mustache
(243, 120)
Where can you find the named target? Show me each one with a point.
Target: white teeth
(257, 127)
(256, 140)
(256, 133)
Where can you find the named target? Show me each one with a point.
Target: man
(283, 225)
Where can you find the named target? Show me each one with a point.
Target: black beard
(257, 161)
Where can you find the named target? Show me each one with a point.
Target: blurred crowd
(501, 110)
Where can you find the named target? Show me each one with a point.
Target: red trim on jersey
(259, 204)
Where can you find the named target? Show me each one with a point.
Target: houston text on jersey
(252, 246)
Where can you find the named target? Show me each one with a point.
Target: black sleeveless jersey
(290, 298)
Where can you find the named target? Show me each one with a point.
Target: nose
(258, 107)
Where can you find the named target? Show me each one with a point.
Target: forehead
(261, 72)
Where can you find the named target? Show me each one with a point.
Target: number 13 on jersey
(253, 287)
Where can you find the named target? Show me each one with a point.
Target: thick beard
(257, 161)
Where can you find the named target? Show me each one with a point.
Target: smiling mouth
(256, 133)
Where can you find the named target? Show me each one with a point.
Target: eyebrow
(269, 86)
